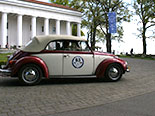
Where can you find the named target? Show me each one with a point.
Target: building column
(79, 30)
(4, 30)
(19, 30)
(46, 26)
(57, 27)
(33, 25)
(68, 28)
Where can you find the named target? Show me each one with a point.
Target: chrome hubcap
(113, 73)
(30, 75)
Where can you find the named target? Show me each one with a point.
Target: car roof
(38, 43)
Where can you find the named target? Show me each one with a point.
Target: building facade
(21, 20)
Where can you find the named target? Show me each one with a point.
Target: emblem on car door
(77, 62)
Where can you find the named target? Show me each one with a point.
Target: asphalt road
(54, 96)
(143, 105)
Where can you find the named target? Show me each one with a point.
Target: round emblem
(77, 62)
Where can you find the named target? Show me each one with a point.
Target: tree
(61, 2)
(91, 19)
(145, 9)
(95, 19)
(122, 12)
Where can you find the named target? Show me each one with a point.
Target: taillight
(12, 62)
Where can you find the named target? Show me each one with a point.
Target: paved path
(142, 105)
(59, 95)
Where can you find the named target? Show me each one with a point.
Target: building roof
(50, 4)
(39, 43)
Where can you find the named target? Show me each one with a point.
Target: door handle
(66, 56)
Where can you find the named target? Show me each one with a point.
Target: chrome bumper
(5, 72)
(128, 69)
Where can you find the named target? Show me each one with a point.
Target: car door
(53, 57)
(78, 61)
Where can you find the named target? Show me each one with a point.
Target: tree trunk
(144, 38)
(93, 35)
(144, 45)
(108, 36)
(108, 44)
(94, 40)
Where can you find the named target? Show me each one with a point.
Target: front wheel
(113, 73)
(30, 74)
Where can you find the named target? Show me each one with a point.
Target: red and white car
(60, 56)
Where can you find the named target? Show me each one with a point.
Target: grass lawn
(138, 57)
(3, 58)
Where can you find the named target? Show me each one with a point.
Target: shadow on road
(58, 81)
(69, 81)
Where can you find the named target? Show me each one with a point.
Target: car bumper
(127, 69)
(5, 72)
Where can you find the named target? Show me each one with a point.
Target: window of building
(42, 29)
(54, 29)
(7, 25)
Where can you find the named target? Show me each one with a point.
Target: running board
(72, 76)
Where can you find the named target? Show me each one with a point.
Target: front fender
(101, 69)
(27, 60)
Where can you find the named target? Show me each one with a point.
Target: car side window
(54, 45)
(68, 45)
(75, 46)
(83, 45)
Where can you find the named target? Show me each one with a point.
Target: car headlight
(126, 63)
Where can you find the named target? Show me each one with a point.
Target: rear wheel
(30, 74)
(113, 73)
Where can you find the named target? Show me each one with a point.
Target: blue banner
(112, 22)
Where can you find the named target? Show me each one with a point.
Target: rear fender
(101, 69)
(27, 60)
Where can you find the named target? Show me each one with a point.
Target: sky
(129, 38)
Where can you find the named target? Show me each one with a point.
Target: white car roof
(38, 43)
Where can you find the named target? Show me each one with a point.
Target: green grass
(3, 58)
(138, 57)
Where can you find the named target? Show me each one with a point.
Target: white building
(20, 20)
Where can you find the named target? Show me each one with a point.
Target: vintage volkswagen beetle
(60, 56)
